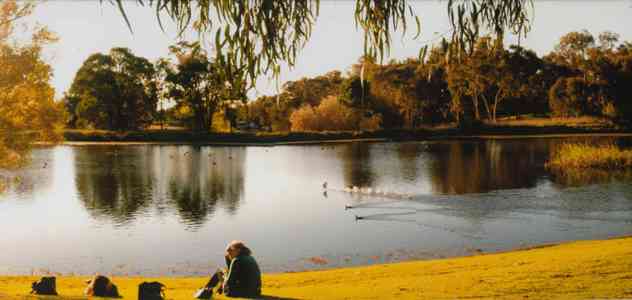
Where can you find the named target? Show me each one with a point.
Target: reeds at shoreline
(581, 156)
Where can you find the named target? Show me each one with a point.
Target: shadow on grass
(40, 297)
(270, 297)
(61, 297)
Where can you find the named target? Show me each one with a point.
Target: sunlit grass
(582, 163)
(579, 156)
(585, 122)
(577, 270)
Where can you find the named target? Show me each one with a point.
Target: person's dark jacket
(244, 277)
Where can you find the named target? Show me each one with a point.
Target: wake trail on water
(391, 217)
(390, 198)
(573, 203)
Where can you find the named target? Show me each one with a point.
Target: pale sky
(86, 27)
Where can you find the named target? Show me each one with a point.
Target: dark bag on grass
(151, 291)
(45, 286)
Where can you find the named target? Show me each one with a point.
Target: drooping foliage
(472, 19)
(257, 35)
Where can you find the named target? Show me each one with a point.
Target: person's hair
(240, 247)
(98, 286)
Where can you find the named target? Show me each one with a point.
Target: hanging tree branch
(378, 18)
(258, 35)
(471, 18)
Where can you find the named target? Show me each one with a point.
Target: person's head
(98, 286)
(236, 248)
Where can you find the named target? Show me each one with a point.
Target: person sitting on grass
(101, 286)
(242, 278)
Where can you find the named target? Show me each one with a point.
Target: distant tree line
(582, 76)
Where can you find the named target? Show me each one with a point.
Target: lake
(170, 209)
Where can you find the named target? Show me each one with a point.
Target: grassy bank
(508, 127)
(581, 163)
(574, 156)
(577, 270)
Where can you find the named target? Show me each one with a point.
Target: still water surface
(170, 210)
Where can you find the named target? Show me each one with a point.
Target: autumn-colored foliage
(28, 111)
(332, 115)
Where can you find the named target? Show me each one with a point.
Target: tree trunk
(477, 115)
(199, 117)
(490, 115)
(496, 101)
(486, 102)
(210, 109)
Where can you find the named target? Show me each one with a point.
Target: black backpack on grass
(151, 291)
(45, 286)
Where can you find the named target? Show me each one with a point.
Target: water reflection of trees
(490, 179)
(356, 165)
(460, 167)
(408, 154)
(113, 182)
(34, 178)
(120, 183)
(209, 177)
(482, 166)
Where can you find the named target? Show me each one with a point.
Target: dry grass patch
(585, 121)
(573, 156)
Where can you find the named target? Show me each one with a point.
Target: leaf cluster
(256, 36)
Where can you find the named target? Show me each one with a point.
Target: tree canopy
(198, 84)
(27, 107)
(115, 91)
(581, 77)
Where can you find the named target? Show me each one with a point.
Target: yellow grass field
(576, 270)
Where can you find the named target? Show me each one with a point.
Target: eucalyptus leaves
(253, 37)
